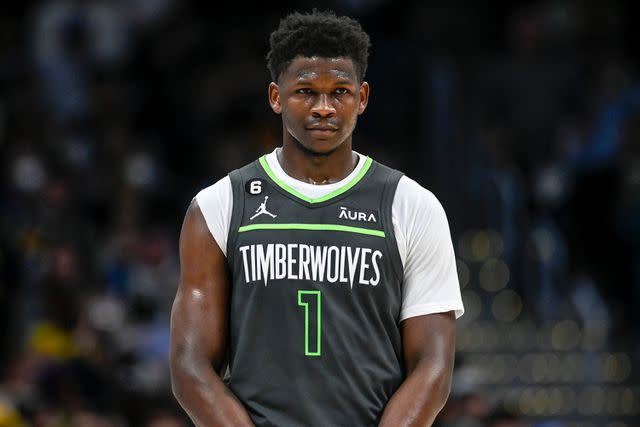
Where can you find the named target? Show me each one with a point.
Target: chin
(316, 145)
(321, 147)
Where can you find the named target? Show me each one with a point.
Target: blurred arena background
(523, 118)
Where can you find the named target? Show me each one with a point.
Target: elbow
(443, 390)
(180, 377)
(176, 388)
(442, 386)
(188, 375)
(177, 380)
(437, 384)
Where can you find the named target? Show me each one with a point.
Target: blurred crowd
(523, 120)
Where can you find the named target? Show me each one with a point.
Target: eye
(304, 91)
(342, 91)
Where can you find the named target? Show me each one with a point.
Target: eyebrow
(346, 82)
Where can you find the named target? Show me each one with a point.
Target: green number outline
(306, 320)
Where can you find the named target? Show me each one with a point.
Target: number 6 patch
(254, 186)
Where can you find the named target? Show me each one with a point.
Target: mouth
(322, 130)
(322, 133)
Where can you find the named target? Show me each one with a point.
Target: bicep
(430, 282)
(199, 318)
(429, 338)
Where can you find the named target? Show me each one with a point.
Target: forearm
(199, 329)
(419, 398)
(206, 399)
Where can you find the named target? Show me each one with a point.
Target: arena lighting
(476, 245)
(492, 337)
(496, 243)
(565, 335)
(622, 401)
(591, 401)
(524, 368)
(506, 306)
(540, 402)
(463, 273)
(497, 369)
(506, 338)
(472, 304)
(594, 336)
(543, 368)
(502, 368)
(525, 401)
(543, 338)
(494, 275)
(462, 340)
(572, 368)
(464, 245)
(519, 335)
(555, 401)
(628, 403)
(511, 401)
(616, 367)
(477, 337)
(553, 367)
(539, 369)
(587, 401)
(569, 396)
(480, 246)
(612, 401)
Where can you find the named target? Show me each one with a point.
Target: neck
(314, 168)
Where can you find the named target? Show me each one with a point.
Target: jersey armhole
(388, 195)
(237, 213)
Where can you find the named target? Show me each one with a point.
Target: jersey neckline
(311, 200)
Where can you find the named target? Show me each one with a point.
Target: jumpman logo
(262, 209)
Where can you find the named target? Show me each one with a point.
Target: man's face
(320, 100)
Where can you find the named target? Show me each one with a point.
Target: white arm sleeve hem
(424, 242)
(443, 307)
(216, 205)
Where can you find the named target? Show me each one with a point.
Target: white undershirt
(419, 223)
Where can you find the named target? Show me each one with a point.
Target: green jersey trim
(291, 190)
(312, 227)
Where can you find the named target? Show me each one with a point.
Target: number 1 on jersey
(312, 323)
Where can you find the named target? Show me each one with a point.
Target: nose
(322, 107)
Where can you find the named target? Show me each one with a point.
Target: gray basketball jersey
(315, 300)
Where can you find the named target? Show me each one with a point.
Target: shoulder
(216, 204)
(247, 171)
(381, 166)
(220, 190)
(413, 200)
(218, 197)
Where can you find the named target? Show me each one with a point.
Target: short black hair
(317, 34)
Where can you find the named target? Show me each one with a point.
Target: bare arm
(199, 329)
(429, 347)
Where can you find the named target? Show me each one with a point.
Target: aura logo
(357, 215)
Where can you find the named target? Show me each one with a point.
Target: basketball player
(318, 287)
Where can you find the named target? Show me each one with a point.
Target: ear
(274, 98)
(364, 97)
